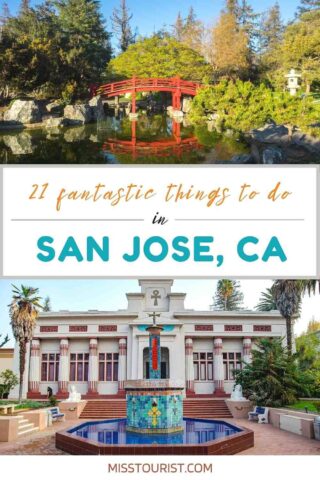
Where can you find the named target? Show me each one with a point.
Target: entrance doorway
(165, 371)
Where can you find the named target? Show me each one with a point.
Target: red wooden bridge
(176, 86)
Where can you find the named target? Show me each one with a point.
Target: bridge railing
(140, 84)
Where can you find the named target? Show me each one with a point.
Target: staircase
(193, 408)
(115, 408)
(205, 408)
(25, 426)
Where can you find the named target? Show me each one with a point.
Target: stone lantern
(293, 81)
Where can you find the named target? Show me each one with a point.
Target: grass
(302, 404)
(25, 405)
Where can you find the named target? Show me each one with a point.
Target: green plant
(53, 401)
(8, 381)
(317, 405)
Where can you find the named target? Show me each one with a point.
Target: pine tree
(272, 28)
(178, 28)
(228, 296)
(193, 32)
(5, 15)
(308, 5)
(229, 49)
(24, 5)
(248, 20)
(232, 7)
(121, 19)
(47, 304)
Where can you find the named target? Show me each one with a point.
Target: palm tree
(310, 286)
(288, 295)
(24, 311)
(267, 301)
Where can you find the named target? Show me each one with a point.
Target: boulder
(97, 109)
(272, 155)
(54, 122)
(54, 108)
(78, 114)
(243, 158)
(23, 111)
(20, 144)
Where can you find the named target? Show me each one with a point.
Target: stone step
(29, 430)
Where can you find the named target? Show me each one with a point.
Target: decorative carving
(233, 328)
(108, 328)
(78, 328)
(262, 328)
(203, 328)
(48, 328)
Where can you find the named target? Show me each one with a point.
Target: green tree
(24, 5)
(29, 51)
(160, 57)
(229, 50)
(300, 48)
(267, 301)
(178, 28)
(24, 311)
(47, 304)
(272, 379)
(308, 351)
(271, 30)
(308, 5)
(121, 19)
(288, 300)
(313, 326)
(228, 296)
(8, 380)
(4, 341)
(85, 43)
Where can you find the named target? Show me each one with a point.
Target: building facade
(97, 351)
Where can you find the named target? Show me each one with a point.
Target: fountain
(154, 423)
(154, 405)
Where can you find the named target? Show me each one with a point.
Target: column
(93, 367)
(122, 367)
(64, 368)
(247, 344)
(34, 369)
(189, 365)
(218, 367)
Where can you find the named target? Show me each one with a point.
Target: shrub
(8, 381)
(53, 401)
(242, 106)
(317, 406)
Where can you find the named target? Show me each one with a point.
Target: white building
(98, 350)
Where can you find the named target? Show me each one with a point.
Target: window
(79, 367)
(203, 366)
(108, 367)
(50, 367)
(231, 362)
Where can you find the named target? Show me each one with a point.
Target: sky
(82, 295)
(152, 15)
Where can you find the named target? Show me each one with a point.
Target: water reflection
(151, 139)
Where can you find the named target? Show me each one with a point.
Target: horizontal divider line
(239, 219)
(77, 220)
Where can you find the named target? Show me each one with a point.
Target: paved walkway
(268, 441)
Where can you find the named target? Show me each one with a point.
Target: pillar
(133, 102)
(247, 344)
(189, 365)
(93, 366)
(34, 368)
(122, 368)
(64, 368)
(218, 367)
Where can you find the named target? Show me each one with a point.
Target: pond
(150, 139)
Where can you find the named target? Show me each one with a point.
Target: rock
(97, 109)
(186, 104)
(78, 114)
(54, 108)
(20, 144)
(243, 158)
(54, 122)
(272, 155)
(23, 111)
